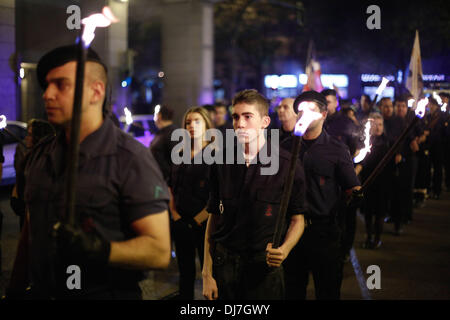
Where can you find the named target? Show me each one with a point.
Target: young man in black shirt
(329, 176)
(244, 202)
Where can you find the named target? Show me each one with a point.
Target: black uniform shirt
(328, 170)
(119, 182)
(161, 147)
(380, 146)
(248, 202)
(190, 188)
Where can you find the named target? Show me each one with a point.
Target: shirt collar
(323, 138)
(102, 141)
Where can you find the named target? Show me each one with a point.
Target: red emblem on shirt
(322, 181)
(268, 211)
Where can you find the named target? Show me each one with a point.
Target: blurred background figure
(189, 186)
(435, 122)
(287, 117)
(445, 99)
(221, 121)
(37, 130)
(211, 112)
(375, 204)
(365, 108)
(161, 145)
(331, 96)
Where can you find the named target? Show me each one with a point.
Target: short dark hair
(165, 112)
(60, 56)
(251, 96)
(369, 101)
(329, 92)
(401, 99)
(382, 100)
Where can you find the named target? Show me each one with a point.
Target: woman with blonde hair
(189, 195)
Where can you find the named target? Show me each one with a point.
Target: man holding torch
(121, 221)
(329, 173)
(244, 204)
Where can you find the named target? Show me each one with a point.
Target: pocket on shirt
(268, 201)
(323, 176)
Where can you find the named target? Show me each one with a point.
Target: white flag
(414, 82)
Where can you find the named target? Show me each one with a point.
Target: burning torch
(420, 113)
(379, 91)
(301, 126)
(87, 35)
(367, 146)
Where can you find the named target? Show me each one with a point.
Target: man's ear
(266, 122)
(98, 89)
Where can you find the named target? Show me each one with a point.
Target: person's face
(248, 123)
(331, 104)
(286, 110)
(196, 125)
(220, 115)
(377, 127)
(316, 123)
(29, 138)
(59, 94)
(433, 108)
(402, 109)
(364, 103)
(387, 109)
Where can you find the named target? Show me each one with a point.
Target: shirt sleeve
(144, 190)
(345, 171)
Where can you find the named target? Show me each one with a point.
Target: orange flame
(95, 20)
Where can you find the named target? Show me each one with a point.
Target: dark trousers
(447, 164)
(423, 177)
(319, 252)
(402, 195)
(374, 209)
(188, 239)
(246, 276)
(437, 161)
(348, 229)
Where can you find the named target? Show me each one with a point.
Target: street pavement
(412, 266)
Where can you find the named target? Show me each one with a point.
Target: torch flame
(421, 107)
(128, 116)
(367, 146)
(437, 98)
(307, 118)
(382, 86)
(2, 122)
(155, 115)
(95, 20)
